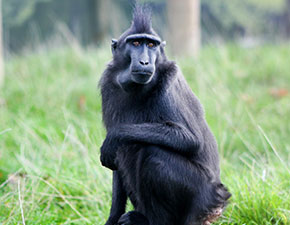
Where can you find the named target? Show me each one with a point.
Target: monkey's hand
(108, 152)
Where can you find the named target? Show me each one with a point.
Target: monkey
(159, 146)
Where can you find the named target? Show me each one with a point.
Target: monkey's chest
(136, 115)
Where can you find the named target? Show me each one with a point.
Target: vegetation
(51, 132)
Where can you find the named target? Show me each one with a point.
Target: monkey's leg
(174, 191)
(158, 195)
(119, 198)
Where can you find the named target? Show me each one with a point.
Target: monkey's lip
(146, 73)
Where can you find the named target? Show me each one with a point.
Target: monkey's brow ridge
(143, 36)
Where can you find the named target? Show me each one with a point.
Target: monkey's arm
(174, 137)
(170, 135)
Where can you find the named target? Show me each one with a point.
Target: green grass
(51, 132)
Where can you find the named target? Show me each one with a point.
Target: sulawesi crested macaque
(158, 144)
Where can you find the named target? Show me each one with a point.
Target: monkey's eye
(136, 43)
(151, 45)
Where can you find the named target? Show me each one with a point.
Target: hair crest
(142, 19)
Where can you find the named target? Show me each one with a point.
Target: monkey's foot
(213, 216)
(133, 218)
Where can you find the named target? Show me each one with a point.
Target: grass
(51, 132)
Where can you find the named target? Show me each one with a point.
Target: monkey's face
(141, 53)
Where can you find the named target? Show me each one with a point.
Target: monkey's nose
(144, 63)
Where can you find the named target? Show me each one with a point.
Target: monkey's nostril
(144, 63)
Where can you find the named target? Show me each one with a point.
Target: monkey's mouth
(145, 73)
(141, 77)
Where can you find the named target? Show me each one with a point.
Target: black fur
(159, 145)
(142, 22)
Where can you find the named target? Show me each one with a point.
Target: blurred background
(29, 23)
(234, 54)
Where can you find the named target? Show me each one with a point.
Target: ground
(51, 132)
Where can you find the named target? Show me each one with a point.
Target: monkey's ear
(163, 43)
(114, 45)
